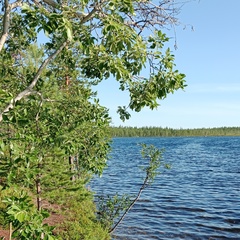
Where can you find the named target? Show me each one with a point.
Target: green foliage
(75, 209)
(40, 134)
(112, 39)
(26, 220)
(153, 157)
(110, 208)
(170, 132)
(79, 210)
(54, 134)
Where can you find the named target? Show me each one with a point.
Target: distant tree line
(170, 132)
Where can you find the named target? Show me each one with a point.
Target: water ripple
(199, 198)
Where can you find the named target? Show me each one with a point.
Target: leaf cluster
(26, 220)
(110, 208)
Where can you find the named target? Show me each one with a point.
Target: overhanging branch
(29, 89)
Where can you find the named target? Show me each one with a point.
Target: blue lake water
(198, 198)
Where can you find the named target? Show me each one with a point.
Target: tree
(112, 210)
(48, 111)
(42, 131)
(101, 39)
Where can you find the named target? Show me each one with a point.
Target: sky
(209, 55)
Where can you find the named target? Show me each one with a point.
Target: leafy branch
(113, 206)
(29, 89)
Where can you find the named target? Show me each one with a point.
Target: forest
(170, 132)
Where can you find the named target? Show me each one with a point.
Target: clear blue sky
(210, 57)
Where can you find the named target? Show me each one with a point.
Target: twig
(10, 231)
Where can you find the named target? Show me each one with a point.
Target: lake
(198, 198)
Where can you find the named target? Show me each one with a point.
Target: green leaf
(26, 7)
(21, 216)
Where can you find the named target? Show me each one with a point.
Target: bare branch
(52, 3)
(84, 17)
(90, 15)
(56, 5)
(151, 15)
(29, 89)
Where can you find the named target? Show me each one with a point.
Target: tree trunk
(72, 166)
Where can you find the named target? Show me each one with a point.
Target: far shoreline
(171, 132)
